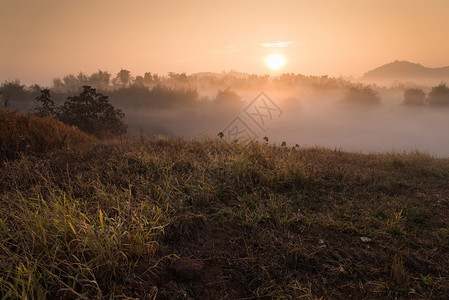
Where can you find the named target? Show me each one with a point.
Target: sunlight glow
(275, 61)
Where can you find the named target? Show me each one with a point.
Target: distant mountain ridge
(404, 70)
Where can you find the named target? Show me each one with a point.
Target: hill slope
(174, 219)
(26, 133)
(404, 70)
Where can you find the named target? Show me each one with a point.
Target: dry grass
(168, 218)
(25, 133)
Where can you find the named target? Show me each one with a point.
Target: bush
(414, 96)
(361, 95)
(439, 95)
(92, 113)
(228, 96)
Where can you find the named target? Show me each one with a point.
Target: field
(163, 218)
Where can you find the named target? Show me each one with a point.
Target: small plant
(427, 280)
(47, 107)
(396, 223)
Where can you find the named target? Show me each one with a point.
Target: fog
(311, 118)
(389, 127)
(299, 110)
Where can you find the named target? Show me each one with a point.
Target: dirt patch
(188, 269)
(208, 266)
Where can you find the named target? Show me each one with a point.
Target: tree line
(73, 98)
(438, 96)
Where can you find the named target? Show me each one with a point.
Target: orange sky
(41, 40)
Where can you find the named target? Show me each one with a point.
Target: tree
(148, 78)
(123, 78)
(439, 95)
(361, 95)
(100, 79)
(58, 84)
(228, 96)
(16, 96)
(82, 79)
(47, 107)
(415, 96)
(139, 81)
(4, 101)
(178, 78)
(91, 112)
(71, 82)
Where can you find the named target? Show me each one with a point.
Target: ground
(163, 218)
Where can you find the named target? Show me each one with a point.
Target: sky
(44, 39)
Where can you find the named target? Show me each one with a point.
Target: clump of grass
(51, 247)
(398, 274)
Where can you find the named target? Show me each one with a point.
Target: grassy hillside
(30, 134)
(161, 218)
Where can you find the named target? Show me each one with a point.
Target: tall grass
(26, 133)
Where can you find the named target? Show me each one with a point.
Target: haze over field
(390, 47)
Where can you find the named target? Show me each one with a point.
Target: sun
(275, 61)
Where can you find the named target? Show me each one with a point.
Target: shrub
(228, 96)
(415, 96)
(361, 95)
(439, 95)
(92, 113)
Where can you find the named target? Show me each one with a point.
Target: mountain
(407, 71)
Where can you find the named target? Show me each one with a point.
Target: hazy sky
(44, 39)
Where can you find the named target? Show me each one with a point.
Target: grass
(25, 133)
(161, 218)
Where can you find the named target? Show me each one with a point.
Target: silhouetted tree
(100, 79)
(71, 82)
(228, 96)
(92, 113)
(4, 101)
(82, 79)
(439, 95)
(255, 79)
(58, 84)
(148, 78)
(47, 106)
(361, 95)
(139, 81)
(16, 96)
(178, 78)
(123, 78)
(414, 96)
